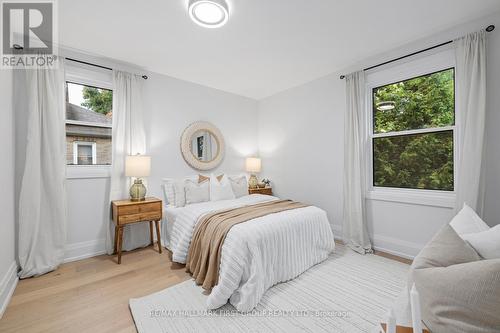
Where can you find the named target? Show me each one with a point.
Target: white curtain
(128, 139)
(470, 54)
(354, 228)
(39, 96)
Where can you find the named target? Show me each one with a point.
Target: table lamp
(253, 165)
(137, 166)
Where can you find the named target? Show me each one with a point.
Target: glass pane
(84, 155)
(426, 101)
(420, 161)
(89, 119)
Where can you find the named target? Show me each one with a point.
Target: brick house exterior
(88, 136)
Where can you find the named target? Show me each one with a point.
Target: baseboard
(7, 286)
(83, 250)
(397, 247)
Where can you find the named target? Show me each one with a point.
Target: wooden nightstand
(265, 190)
(128, 212)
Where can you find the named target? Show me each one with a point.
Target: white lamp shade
(137, 166)
(253, 164)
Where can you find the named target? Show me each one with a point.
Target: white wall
(301, 143)
(8, 267)
(170, 106)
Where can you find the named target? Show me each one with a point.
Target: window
(84, 153)
(413, 131)
(88, 124)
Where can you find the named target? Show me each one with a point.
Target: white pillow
(173, 191)
(220, 190)
(468, 222)
(196, 192)
(486, 243)
(239, 186)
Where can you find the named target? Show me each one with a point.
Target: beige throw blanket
(206, 245)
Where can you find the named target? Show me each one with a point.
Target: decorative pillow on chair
(220, 190)
(239, 186)
(197, 192)
(467, 222)
(460, 298)
(459, 292)
(486, 243)
(445, 248)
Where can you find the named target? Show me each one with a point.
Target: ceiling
(266, 47)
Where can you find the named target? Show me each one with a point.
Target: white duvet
(256, 254)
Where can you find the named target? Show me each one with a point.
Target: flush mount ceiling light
(209, 13)
(385, 106)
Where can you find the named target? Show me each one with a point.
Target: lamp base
(137, 191)
(252, 181)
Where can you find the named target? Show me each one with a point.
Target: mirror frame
(186, 145)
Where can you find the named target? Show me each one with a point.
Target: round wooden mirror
(202, 145)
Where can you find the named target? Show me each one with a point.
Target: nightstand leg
(151, 232)
(120, 240)
(115, 246)
(157, 223)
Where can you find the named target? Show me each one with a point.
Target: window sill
(416, 197)
(88, 171)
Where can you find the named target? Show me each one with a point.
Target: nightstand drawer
(131, 218)
(150, 207)
(128, 210)
(265, 190)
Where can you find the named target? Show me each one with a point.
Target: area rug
(348, 292)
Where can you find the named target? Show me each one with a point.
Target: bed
(256, 254)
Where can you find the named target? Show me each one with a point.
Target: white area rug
(348, 292)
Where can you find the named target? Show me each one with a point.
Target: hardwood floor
(92, 295)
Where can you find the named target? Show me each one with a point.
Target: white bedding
(256, 254)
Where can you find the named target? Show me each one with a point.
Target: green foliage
(422, 102)
(422, 161)
(97, 100)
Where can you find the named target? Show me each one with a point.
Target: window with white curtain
(412, 127)
(89, 104)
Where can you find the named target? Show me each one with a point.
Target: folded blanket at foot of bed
(204, 254)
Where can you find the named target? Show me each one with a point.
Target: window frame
(94, 77)
(412, 68)
(93, 145)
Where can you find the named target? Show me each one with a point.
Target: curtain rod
(145, 77)
(489, 28)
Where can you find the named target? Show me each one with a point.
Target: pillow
(486, 243)
(467, 222)
(220, 190)
(202, 178)
(239, 186)
(168, 191)
(444, 249)
(460, 298)
(173, 191)
(196, 192)
(451, 280)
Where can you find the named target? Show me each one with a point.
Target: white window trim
(88, 171)
(423, 65)
(95, 77)
(84, 143)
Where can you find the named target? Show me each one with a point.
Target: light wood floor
(92, 295)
